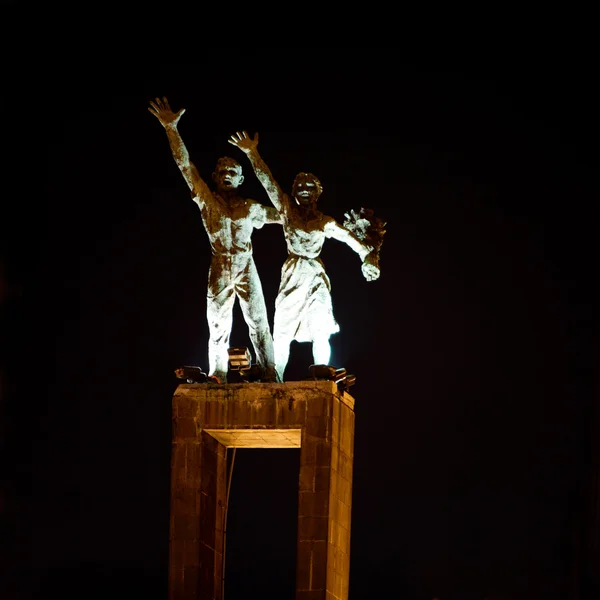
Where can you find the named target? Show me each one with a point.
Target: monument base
(315, 416)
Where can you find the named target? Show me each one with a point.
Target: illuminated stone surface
(313, 415)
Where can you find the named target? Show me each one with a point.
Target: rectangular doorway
(262, 524)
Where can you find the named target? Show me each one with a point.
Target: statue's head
(306, 189)
(228, 174)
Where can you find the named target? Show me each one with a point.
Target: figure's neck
(307, 211)
(229, 195)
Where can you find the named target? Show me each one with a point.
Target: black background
(475, 352)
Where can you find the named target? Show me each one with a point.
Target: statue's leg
(290, 306)
(285, 323)
(252, 303)
(281, 346)
(219, 313)
(321, 350)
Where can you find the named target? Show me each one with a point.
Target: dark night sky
(475, 352)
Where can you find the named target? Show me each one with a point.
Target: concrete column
(325, 500)
(198, 492)
(207, 419)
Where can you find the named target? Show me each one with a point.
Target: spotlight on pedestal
(239, 359)
(323, 372)
(192, 374)
(329, 373)
(340, 375)
(345, 384)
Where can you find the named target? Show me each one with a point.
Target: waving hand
(162, 111)
(244, 142)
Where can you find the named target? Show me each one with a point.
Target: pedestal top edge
(285, 387)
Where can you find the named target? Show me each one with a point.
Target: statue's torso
(229, 225)
(304, 237)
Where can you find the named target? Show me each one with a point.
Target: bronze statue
(229, 220)
(303, 307)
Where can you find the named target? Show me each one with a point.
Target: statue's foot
(218, 377)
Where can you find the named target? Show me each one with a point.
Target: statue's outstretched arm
(249, 146)
(169, 120)
(368, 255)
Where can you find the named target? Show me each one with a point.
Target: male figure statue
(229, 220)
(303, 307)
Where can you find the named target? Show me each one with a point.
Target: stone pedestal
(314, 416)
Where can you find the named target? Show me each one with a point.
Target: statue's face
(306, 191)
(227, 178)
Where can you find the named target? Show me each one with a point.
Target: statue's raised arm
(168, 119)
(249, 146)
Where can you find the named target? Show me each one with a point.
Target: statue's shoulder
(253, 207)
(252, 204)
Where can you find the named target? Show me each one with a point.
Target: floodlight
(191, 374)
(239, 358)
(329, 373)
(347, 382)
(340, 375)
(326, 372)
